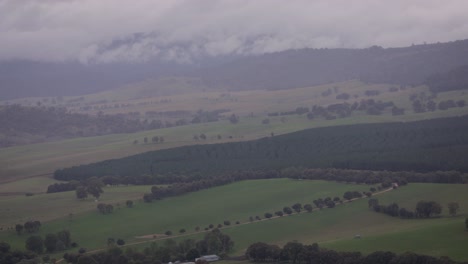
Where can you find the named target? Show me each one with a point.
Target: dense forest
(455, 79)
(23, 125)
(429, 145)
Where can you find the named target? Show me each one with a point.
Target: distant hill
(282, 70)
(308, 67)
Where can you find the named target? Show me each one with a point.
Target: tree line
(424, 209)
(25, 125)
(298, 253)
(214, 242)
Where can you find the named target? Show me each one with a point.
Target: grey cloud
(107, 31)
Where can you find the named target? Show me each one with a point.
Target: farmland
(40, 160)
(334, 228)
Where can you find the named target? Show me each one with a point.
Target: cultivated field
(333, 228)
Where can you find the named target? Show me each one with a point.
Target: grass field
(333, 228)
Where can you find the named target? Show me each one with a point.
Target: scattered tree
(19, 229)
(35, 244)
(81, 192)
(120, 242)
(453, 208)
(129, 203)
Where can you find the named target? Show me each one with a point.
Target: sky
(106, 31)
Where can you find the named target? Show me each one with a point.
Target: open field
(45, 207)
(42, 159)
(237, 202)
(333, 228)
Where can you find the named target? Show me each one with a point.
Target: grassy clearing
(332, 228)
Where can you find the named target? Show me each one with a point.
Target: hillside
(307, 67)
(429, 145)
(281, 70)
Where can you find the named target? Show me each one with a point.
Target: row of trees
(29, 227)
(424, 209)
(23, 125)
(213, 242)
(154, 140)
(298, 253)
(105, 208)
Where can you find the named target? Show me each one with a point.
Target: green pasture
(437, 237)
(45, 207)
(233, 202)
(331, 228)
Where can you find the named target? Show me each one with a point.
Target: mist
(95, 32)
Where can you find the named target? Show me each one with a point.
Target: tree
(147, 197)
(168, 233)
(426, 209)
(227, 222)
(109, 208)
(182, 230)
(32, 226)
(192, 254)
(234, 119)
(453, 208)
(287, 210)
(308, 207)
(94, 187)
(120, 242)
(268, 215)
(155, 139)
(202, 136)
(81, 192)
(297, 207)
(35, 244)
(50, 242)
(292, 251)
(110, 241)
(129, 203)
(19, 229)
(215, 242)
